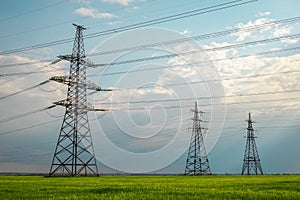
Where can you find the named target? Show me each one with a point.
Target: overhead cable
(238, 45)
(25, 114)
(197, 37)
(135, 26)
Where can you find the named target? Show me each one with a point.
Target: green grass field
(151, 187)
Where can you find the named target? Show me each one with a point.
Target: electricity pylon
(74, 152)
(251, 164)
(197, 161)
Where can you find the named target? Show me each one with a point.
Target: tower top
(249, 120)
(79, 26)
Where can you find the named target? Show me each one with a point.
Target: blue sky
(151, 136)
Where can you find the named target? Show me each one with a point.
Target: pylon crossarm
(73, 58)
(60, 79)
(63, 102)
(87, 63)
(99, 109)
(69, 58)
(197, 111)
(88, 85)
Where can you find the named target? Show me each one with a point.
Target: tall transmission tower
(74, 152)
(251, 164)
(197, 161)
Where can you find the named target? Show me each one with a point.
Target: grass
(151, 187)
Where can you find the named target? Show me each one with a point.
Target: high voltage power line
(64, 22)
(173, 55)
(154, 68)
(31, 72)
(26, 63)
(29, 127)
(293, 36)
(172, 17)
(28, 73)
(173, 107)
(162, 67)
(179, 83)
(197, 37)
(163, 100)
(237, 131)
(25, 114)
(170, 107)
(24, 90)
(201, 98)
(225, 79)
(166, 66)
(170, 84)
(135, 26)
(40, 124)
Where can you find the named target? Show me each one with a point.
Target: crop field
(151, 187)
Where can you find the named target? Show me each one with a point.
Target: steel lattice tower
(74, 152)
(251, 163)
(197, 161)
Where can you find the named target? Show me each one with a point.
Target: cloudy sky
(232, 57)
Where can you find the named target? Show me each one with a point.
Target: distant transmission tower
(251, 163)
(197, 161)
(74, 152)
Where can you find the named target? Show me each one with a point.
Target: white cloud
(122, 2)
(90, 12)
(268, 31)
(185, 32)
(177, 61)
(264, 14)
(16, 83)
(113, 23)
(135, 7)
(282, 31)
(29, 100)
(84, 2)
(243, 35)
(289, 41)
(255, 65)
